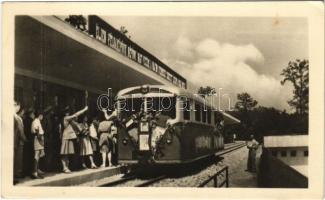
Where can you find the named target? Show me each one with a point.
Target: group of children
(77, 136)
(88, 138)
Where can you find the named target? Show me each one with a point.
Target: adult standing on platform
(251, 161)
(48, 137)
(29, 145)
(69, 135)
(19, 140)
(57, 135)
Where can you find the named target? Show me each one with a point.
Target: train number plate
(143, 142)
(144, 126)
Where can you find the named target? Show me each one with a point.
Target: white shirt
(252, 144)
(113, 129)
(36, 125)
(92, 131)
(19, 118)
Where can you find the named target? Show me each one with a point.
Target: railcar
(166, 125)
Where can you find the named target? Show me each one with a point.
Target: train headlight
(145, 89)
(168, 141)
(124, 141)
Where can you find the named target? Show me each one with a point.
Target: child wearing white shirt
(38, 132)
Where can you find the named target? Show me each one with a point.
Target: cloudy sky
(235, 54)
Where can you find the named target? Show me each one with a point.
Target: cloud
(183, 49)
(224, 65)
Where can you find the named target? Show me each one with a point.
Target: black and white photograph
(124, 100)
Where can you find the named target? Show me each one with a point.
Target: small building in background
(290, 149)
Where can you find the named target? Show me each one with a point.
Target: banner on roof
(103, 36)
(169, 76)
(162, 72)
(140, 58)
(97, 32)
(123, 48)
(154, 67)
(132, 53)
(146, 61)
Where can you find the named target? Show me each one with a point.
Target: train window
(293, 153)
(217, 117)
(283, 154)
(306, 153)
(186, 111)
(209, 115)
(204, 114)
(274, 153)
(197, 112)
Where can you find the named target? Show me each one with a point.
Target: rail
(230, 149)
(119, 181)
(215, 179)
(151, 181)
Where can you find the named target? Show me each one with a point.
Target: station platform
(235, 160)
(237, 163)
(74, 178)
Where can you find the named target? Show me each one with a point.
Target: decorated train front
(157, 128)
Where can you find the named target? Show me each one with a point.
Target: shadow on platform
(74, 178)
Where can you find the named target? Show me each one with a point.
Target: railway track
(230, 149)
(119, 181)
(136, 181)
(151, 181)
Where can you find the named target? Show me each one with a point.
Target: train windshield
(131, 106)
(166, 106)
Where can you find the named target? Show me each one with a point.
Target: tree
(205, 91)
(123, 30)
(245, 102)
(297, 72)
(77, 21)
(244, 106)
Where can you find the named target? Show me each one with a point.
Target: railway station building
(56, 62)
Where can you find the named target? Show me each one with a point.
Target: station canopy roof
(229, 119)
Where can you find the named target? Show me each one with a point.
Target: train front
(145, 134)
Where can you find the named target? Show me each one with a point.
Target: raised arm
(105, 113)
(80, 112)
(111, 116)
